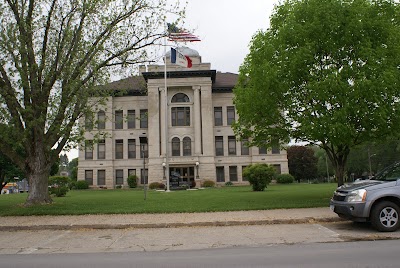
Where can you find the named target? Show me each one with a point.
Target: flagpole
(166, 113)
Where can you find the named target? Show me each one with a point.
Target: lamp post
(197, 170)
(163, 166)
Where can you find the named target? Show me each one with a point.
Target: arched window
(176, 147)
(187, 146)
(180, 97)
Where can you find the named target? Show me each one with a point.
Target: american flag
(180, 35)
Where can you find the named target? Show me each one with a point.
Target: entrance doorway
(185, 174)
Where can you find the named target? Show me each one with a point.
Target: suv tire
(385, 216)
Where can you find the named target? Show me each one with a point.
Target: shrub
(228, 183)
(156, 185)
(118, 187)
(59, 185)
(259, 175)
(59, 191)
(208, 183)
(132, 181)
(81, 185)
(284, 178)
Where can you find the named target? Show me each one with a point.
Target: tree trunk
(38, 175)
(338, 156)
(339, 169)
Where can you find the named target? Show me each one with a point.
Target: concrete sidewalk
(122, 221)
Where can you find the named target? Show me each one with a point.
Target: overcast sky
(225, 28)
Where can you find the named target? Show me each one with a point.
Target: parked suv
(376, 200)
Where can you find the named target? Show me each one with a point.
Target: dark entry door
(186, 174)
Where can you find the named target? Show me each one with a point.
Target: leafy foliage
(208, 184)
(259, 175)
(59, 185)
(372, 157)
(8, 170)
(81, 185)
(302, 162)
(284, 178)
(73, 169)
(132, 181)
(156, 185)
(325, 72)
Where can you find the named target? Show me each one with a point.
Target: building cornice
(180, 74)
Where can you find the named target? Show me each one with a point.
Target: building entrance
(181, 176)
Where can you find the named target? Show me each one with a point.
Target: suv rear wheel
(385, 216)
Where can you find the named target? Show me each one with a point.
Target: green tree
(370, 158)
(325, 72)
(53, 56)
(55, 167)
(302, 162)
(63, 162)
(8, 170)
(324, 167)
(73, 169)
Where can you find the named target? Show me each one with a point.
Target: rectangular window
(230, 112)
(101, 149)
(278, 168)
(101, 120)
(144, 176)
(143, 118)
(275, 147)
(131, 172)
(131, 148)
(119, 177)
(244, 148)
(119, 149)
(180, 116)
(231, 145)
(243, 177)
(262, 150)
(101, 177)
(89, 176)
(217, 116)
(233, 173)
(131, 119)
(220, 174)
(144, 148)
(89, 121)
(88, 149)
(119, 120)
(219, 145)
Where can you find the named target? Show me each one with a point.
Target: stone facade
(200, 145)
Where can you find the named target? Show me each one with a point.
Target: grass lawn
(211, 199)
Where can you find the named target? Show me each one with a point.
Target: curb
(308, 220)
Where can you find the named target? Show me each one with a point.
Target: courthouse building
(199, 140)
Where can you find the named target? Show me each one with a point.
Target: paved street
(184, 238)
(346, 254)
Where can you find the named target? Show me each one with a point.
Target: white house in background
(201, 143)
